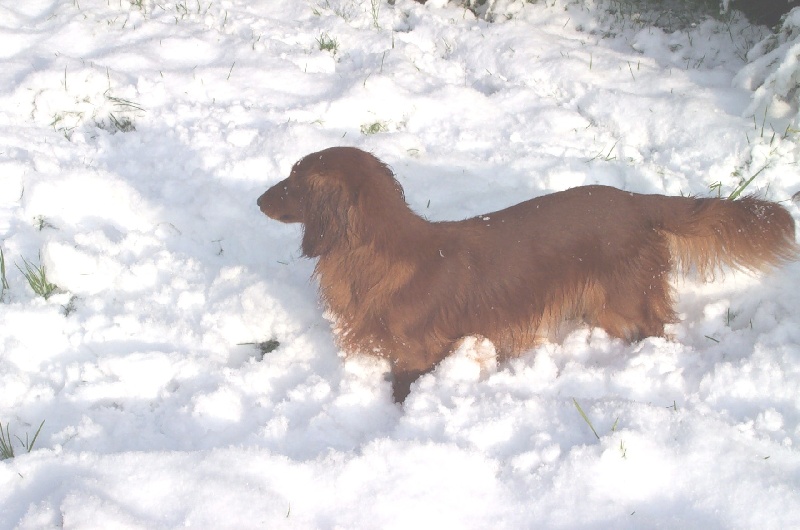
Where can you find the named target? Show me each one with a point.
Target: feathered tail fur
(706, 233)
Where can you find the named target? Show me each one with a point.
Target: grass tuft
(344, 10)
(40, 222)
(37, 279)
(375, 9)
(328, 43)
(122, 124)
(64, 122)
(374, 128)
(120, 120)
(7, 447)
(608, 157)
(744, 183)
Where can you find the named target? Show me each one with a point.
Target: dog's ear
(326, 215)
(348, 206)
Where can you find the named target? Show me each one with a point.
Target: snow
(135, 138)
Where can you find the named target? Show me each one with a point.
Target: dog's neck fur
(359, 274)
(382, 219)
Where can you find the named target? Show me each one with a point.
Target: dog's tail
(706, 233)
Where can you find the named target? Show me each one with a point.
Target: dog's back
(605, 255)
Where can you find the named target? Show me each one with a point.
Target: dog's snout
(278, 204)
(263, 201)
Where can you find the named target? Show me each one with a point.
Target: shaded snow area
(135, 138)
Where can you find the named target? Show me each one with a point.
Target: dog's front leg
(402, 380)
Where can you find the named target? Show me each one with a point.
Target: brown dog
(408, 289)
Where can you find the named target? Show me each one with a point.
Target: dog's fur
(408, 289)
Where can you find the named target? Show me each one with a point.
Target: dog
(408, 289)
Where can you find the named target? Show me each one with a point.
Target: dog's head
(337, 194)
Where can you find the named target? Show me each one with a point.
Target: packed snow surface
(135, 137)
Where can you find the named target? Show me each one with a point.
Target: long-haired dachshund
(408, 289)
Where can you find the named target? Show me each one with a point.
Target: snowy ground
(135, 138)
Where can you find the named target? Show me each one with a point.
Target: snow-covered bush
(668, 14)
(767, 12)
(773, 73)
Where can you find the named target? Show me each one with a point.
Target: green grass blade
(585, 417)
(744, 184)
(29, 446)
